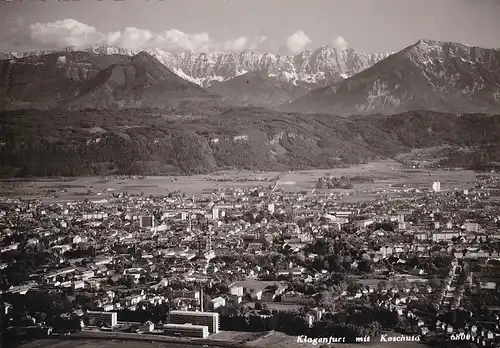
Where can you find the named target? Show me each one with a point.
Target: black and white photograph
(250, 173)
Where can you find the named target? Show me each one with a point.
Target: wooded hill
(148, 141)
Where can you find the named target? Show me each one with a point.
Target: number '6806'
(461, 337)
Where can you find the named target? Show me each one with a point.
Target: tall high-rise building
(436, 186)
(215, 213)
(401, 218)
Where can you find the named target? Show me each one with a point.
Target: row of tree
(350, 323)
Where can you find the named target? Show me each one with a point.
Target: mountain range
(106, 110)
(428, 75)
(310, 68)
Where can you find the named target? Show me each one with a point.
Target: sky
(278, 26)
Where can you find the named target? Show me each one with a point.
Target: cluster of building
(134, 252)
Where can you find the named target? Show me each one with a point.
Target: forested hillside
(140, 141)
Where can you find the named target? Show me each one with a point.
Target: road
(181, 342)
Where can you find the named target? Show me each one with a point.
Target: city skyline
(287, 27)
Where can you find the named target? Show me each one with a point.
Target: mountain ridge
(310, 68)
(256, 88)
(427, 75)
(431, 75)
(78, 80)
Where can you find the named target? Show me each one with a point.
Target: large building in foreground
(209, 319)
(186, 330)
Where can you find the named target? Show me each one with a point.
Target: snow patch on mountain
(496, 96)
(322, 66)
(379, 94)
(429, 75)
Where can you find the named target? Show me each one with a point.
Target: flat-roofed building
(193, 294)
(209, 319)
(186, 330)
(421, 235)
(215, 213)
(436, 186)
(342, 213)
(364, 223)
(236, 290)
(471, 226)
(445, 235)
(147, 222)
(102, 318)
(218, 302)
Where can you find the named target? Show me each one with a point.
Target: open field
(279, 306)
(235, 336)
(389, 176)
(255, 284)
(428, 155)
(370, 282)
(373, 282)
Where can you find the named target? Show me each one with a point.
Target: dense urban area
(245, 174)
(240, 264)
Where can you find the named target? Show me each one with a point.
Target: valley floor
(391, 179)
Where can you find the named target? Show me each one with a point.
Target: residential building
(209, 319)
(186, 330)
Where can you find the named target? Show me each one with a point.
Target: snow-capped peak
(320, 66)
